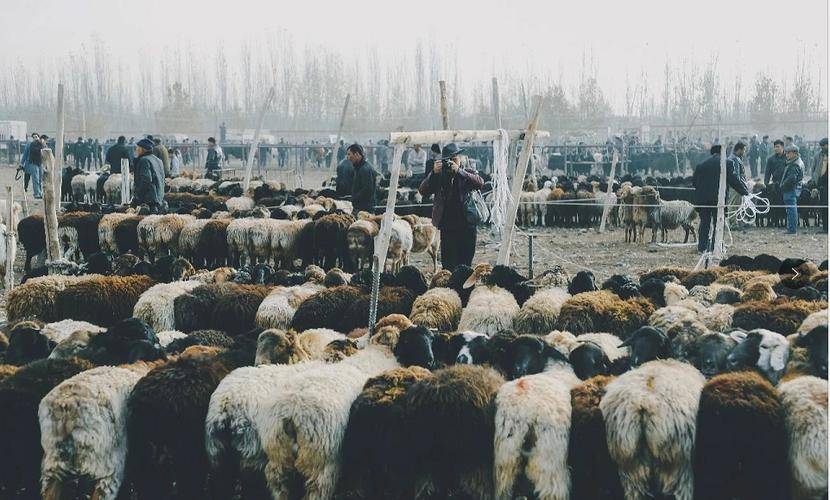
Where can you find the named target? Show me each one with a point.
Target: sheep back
(438, 308)
(102, 300)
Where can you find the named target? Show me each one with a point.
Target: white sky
(623, 36)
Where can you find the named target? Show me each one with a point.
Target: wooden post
(606, 206)
(521, 168)
(125, 182)
(445, 122)
(249, 166)
(50, 215)
(59, 144)
(333, 163)
(717, 253)
(382, 239)
(524, 100)
(496, 103)
(11, 238)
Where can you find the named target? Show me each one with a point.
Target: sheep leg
(52, 489)
(106, 489)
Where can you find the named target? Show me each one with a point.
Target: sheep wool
(818, 318)
(730, 460)
(489, 311)
(674, 293)
(59, 331)
(101, 300)
(717, 317)
(36, 297)
(532, 425)
(155, 306)
(650, 418)
(278, 308)
(805, 416)
(539, 313)
(438, 308)
(665, 317)
(83, 423)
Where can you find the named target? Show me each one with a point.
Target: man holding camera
(450, 185)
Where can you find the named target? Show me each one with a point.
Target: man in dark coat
(345, 178)
(706, 180)
(363, 182)
(775, 163)
(117, 153)
(450, 184)
(149, 177)
(160, 151)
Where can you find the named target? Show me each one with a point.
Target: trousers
(705, 241)
(791, 200)
(458, 246)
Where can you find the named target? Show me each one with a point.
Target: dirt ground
(574, 249)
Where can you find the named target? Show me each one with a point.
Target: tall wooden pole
(249, 166)
(50, 215)
(125, 182)
(11, 238)
(333, 163)
(521, 168)
(382, 239)
(59, 144)
(717, 253)
(607, 203)
(496, 103)
(445, 121)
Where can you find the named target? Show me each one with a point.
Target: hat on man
(792, 148)
(823, 142)
(450, 150)
(145, 144)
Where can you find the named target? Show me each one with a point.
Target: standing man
(382, 156)
(416, 162)
(706, 181)
(160, 152)
(149, 177)
(450, 185)
(345, 178)
(775, 163)
(738, 167)
(24, 160)
(766, 149)
(282, 153)
(213, 163)
(363, 182)
(341, 152)
(791, 179)
(117, 153)
(819, 175)
(754, 155)
(35, 165)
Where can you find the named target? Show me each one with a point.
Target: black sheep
(582, 282)
(621, 285)
(99, 263)
(741, 440)
(459, 275)
(654, 290)
(31, 232)
(741, 262)
(527, 355)
(210, 338)
(766, 262)
(815, 341)
(412, 278)
(507, 278)
(27, 344)
(647, 344)
(588, 360)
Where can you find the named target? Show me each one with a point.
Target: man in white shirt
(416, 161)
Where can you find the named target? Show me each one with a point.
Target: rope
(556, 256)
(501, 185)
(748, 209)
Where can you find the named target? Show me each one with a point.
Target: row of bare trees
(191, 89)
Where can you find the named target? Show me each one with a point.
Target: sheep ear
(778, 357)
(470, 281)
(738, 336)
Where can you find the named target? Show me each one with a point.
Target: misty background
(186, 66)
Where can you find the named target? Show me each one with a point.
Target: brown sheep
(759, 291)
(391, 300)
(103, 300)
(648, 215)
(425, 237)
(325, 309)
(661, 272)
(441, 279)
(36, 297)
(603, 311)
(329, 237)
(738, 278)
(703, 277)
(782, 316)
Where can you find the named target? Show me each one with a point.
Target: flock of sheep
(222, 350)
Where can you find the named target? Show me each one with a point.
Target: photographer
(450, 184)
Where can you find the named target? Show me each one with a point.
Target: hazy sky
(623, 36)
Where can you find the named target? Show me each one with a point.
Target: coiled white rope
(501, 185)
(751, 205)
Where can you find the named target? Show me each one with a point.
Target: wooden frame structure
(401, 140)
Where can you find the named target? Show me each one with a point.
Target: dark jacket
(36, 153)
(447, 205)
(149, 180)
(792, 175)
(115, 154)
(345, 178)
(160, 152)
(707, 178)
(364, 187)
(212, 160)
(775, 165)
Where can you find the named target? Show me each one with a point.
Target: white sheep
(240, 203)
(540, 207)
(539, 313)
(400, 245)
(304, 423)
(83, 429)
(59, 331)
(537, 405)
(490, 310)
(91, 187)
(189, 237)
(278, 308)
(167, 336)
(78, 186)
(674, 214)
(106, 231)
(284, 237)
(155, 306)
(237, 234)
(650, 419)
(818, 318)
(609, 343)
(805, 415)
(236, 405)
(767, 350)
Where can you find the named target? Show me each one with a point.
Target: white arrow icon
(796, 273)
